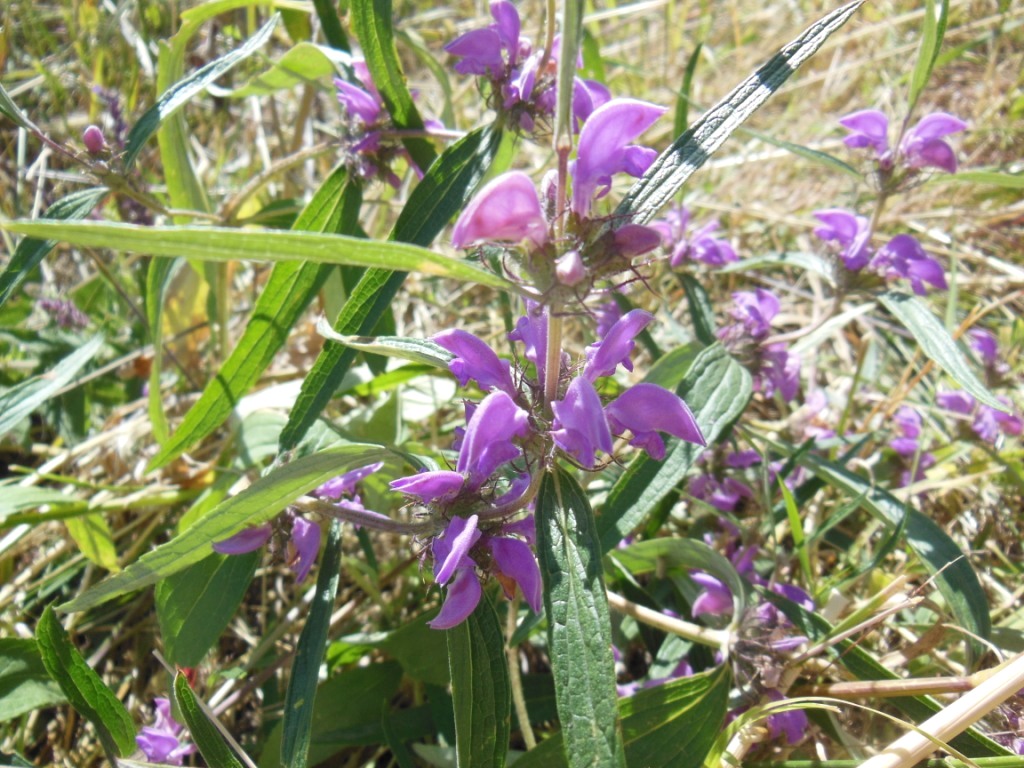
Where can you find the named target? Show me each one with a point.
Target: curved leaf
(579, 629)
(302, 63)
(204, 732)
(402, 347)
(255, 505)
(936, 16)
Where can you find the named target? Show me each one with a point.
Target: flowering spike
(505, 210)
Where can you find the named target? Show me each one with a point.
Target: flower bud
(93, 139)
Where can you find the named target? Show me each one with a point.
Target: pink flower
(505, 210)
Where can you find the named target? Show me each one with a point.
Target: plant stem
(715, 638)
(515, 679)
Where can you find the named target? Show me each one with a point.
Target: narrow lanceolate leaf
(702, 313)
(178, 95)
(935, 341)
(936, 16)
(13, 112)
(194, 605)
(330, 24)
(403, 347)
(207, 737)
(579, 630)
(691, 150)
(571, 40)
(373, 24)
(481, 692)
(717, 389)
(31, 251)
(288, 291)
(298, 701)
(83, 688)
(158, 279)
(258, 503)
(20, 400)
(228, 244)
(989, 178)
(949, 566)
(443, 192)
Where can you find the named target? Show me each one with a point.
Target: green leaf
(258, 503)
(717, 389)
(663, 556)
(288, 291)
(947, 563)
(83, 688)
(24, 682)
(702, 313)
(571, 28)
(92, 535)
(811, 262)
(672, 725)
(402, 347)
(579, 630)
(481, 692)
(204, 732)
(194, 605)
(681, 118)
(446, 187)
(309, 653)
(158, 278)
(814, 155)
(990, 178)
(302, 63)
(936, 342)
(692, 149)
(20, 401)
(178, 95)
(330, 24)
(13, 111)
(30, 251)
(222, 244)
(373, 24)
(936, 16)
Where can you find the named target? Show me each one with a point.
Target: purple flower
(868, 128)
(725, 495)
(984, 343)
(646, 409)
(93, 139)
(432, 486)
(780, 372)
(516, 564)
(792, 723)
(922, 146)
(903, 256)
(569, 268)
(532, 331)
(755, 311)
(345, 485)
(908, 424)
(488, 441)
(851, 232)
(989, 422)
(247, 540)
(635, 239)
(161, 742)
(957, 401)
(580, 427)
(474, 359)
(64, 312)
(607, 314)
(505, 210)
(451, 548)
(480, 50)
(303, 547)
(700, 245)
(604, 149)
(715, 600)
(604, 356)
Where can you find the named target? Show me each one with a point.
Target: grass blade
(579, 629)
(936, 16)
(691, 150)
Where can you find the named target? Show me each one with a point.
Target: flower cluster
(775, 369)
(923, 146)
(303, 535)
(507, 444)
(162, 742)
(522, 80)
(902, 257)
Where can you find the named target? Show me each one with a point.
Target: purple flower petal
(357, 102)
(780, 372)
(984, 343)
(605, 356)
(532, 331)
(868, 128)
(580, 425)
(715, 600)
(506, 210)
(956, 401)
(525, 527)
(431, 487)
(903, 256)
(451, 548)
(461, 600)
(303, 547)
(604, 148)
(474, 359)
(646, 409)
(346, 484)
(851, 232)
(507, 26)
(515, 560)
(792, 723)
(936, 125)
(488, 441)
(479, 53)
(246, 540)
(93, 139)
(923, 146)
(636, 239)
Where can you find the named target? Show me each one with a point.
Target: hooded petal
(507, 26)
(451, 548)
(646, 409)
(303, 547)
(604, 148)
(984, 343)
(715, 600)
(430, 487)
(868, 128)
(935, 126)
(345, 484)
(506, 210)
(488, 441)
(474, 359)
(246, 540)
(479, 53)
(580, 425)
(635, 239)
(932, 154)
(515, 560)
(358, 102)
(604, 356)
(852, 232)
(462, 598)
